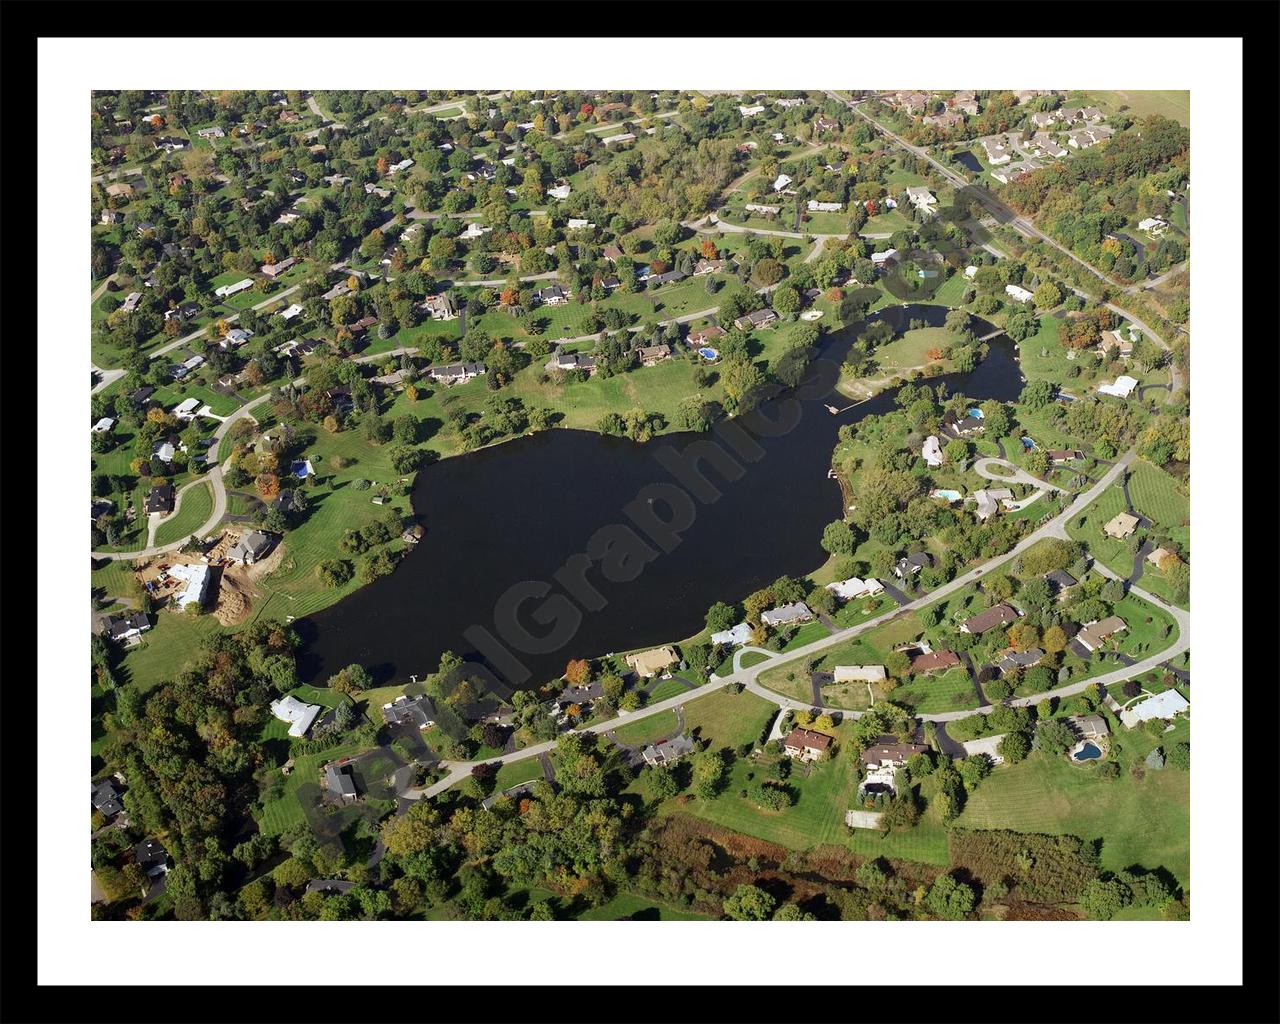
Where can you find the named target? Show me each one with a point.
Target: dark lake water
(967, 159)
(518, 513)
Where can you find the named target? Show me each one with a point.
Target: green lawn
(517, 772)
(752, 658)
(910, 351)
(806, 634)
(166, 647)
(729, 719)
(1162, 499)
(666, 688)
(286, 810)
(197, 504)
(1143, 821)
(1087, 527)
(627, 904)
(647, 730)
(951, 690)
(1171, 103)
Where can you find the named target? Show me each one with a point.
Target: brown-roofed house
(654, 354)
(1000, 615)
(697, 338)
(923, 663)
(1057, 456)
(1095, 633)
(650, 663)
(612, 253)
(806, 744)
(1121, 526)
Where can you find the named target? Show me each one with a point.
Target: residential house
(125, 625)
(159, 500)
(274, 270)
(103, 425)
(956, 426)
(212, 132)
(235, 337)
(921, 198)
(825, 124)
(787, 614)
(1060, 581)
(289, 312)
(788, 102)
(988, 500)
(1154, 225)
(1084, 138)
(911, 564)
(949, 119)
(859, 673)
(1089, 727)
(781, 182)
(670, 277)
(1008, 174)
(1166, 705)
(475, 230)
(1043, 144)
(1095, 634)
(612, 253)
(1058, 456)
(1044, 118)
(577, 223)
(336, 180)
(227, 290)
(371, 189)
(168, 143)
(340, 784)
(757, 319)
(300, 716)
(405, 710)
(933, 661)
(152, 858)
(1122, 388)
(456, 373)
(609, 140)
(439, 306)
(1011, 660)
(931, 451)
(105, 798)
(998, 615)
(699, 338)
(848, 590)
(653, 354)
(186, 409)
(996, 152)
(251, 546)
(140, 397)
(197, 578)
(806, 744)
(668, 750)
(120, 190)
(560, 192)
(882, 760)
(553, 295)
(735, 637)
(1160, 556)
(341, 288)
(816, 206)
(1017, 293)
(649, 663)
(109, 217)
(131, 302)
(709, 267)
(761, 208)
(881, 258)
(403, 165)
(750, 111)
(1120, 525)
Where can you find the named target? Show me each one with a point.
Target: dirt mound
(234, 601)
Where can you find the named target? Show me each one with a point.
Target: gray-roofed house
(106, 798)
(757, 319)
(159, 500)
(1011, 660)
(912, 564)
(151, 857)
(786, 614)
(456, 373)
(125, 625)
(1090, 727)
(668, 750)
(956, 426)
(999, 615)
(552, 295)
(340, 784)
(404, 710)
(250, 547)
(1060, 581)
(572, 361)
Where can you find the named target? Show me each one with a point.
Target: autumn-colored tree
(573, 711)
(157, 415)
(172, 327)
(834, 294)
(411, 393)
(586, 108)
(382, 165)
(268, 257)
(1054, 640)
(353, 283)
(1023, 636)
(709, 250)
(509, 297)
(268, 485)
(578, 671)
(221, 328)
(933, 354)
(579, 158)
(658, 266)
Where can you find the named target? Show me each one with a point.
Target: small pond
(967, 159)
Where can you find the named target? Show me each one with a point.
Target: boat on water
(833, 410)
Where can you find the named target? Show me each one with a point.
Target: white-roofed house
(853, 587)
(816, 206)
(750, 111)
(1017, 293)
(781, 182)
(197, 580)
(1164, 705)
(858, 673)
(290, 312)
(1153, 225)
(931, 451)
(559, 192)
(296, 713)
(1122, 388)
(186, 409)
(921, 198)
(737, 636)
(103, 425)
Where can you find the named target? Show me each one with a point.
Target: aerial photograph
(639, 505)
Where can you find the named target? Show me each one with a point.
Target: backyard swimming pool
(1087, 752)
(709, 354)
(946, 493)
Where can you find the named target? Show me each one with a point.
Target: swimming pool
(976, 413)
(709, 354)
(1028, 444)
(1087, 752)
(946, 493)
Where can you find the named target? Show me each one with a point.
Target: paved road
(108, 377)
(1054, 528)
(1017, 475)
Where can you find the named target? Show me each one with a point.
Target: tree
(749, 903)
(949, 899)
(767, 271)
(663, 782)
(1102, 898)
(786, 300)
(578, 672)
(1179, 756)
(1055, 736)
(1015, 747)
(837, 538)
(957, 451)
(721, 616)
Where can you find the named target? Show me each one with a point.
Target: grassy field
(1143, 821)
(1171, 103)
(286, 810)
(1161, 498)
(166, 647)
(752, 658)
(197, 504)
(627, 904)
(946, 691)
(807, 634)
(647, 730)
(911, 349)
(665, 688)
(1087, 528)
(516, 772)
(729, 719)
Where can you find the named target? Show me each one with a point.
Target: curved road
(1019, 476)
(457, 770)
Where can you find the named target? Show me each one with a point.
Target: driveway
(1016, 475)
